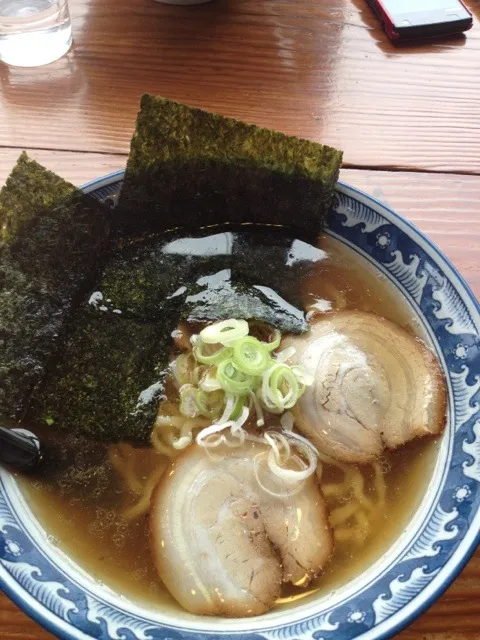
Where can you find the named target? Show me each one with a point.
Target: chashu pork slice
(223, 545)
(375, 386)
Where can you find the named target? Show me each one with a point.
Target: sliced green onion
(238, 407)
(258, 409)
(267, 404)
(230, 399)
(233, 380)
(208, 382)
(211, 404)
(251, 356)
(224, 332)
(280, 388)
(188, 406)
(275, 341)
(230, 373)
(285, 354)
(202, 355)
(303, 376)
(285, 383)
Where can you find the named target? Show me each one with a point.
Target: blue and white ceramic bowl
(400, 585)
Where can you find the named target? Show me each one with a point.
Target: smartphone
(409, 19)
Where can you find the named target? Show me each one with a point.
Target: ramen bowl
(397, 587)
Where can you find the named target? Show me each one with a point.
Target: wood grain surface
(408, 120)
(320, 69)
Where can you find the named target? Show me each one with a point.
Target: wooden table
(407, 119)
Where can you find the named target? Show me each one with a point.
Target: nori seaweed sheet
(108, 381)
(54, 230)
(224, 299)
(52, 238)
(149, 280)
(74, 465)
(190, 168)
(140, 280)
(274, 259)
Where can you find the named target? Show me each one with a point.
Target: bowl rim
(403, 616)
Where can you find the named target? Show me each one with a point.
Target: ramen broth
(81, 506)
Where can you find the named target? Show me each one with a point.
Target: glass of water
(34, 32)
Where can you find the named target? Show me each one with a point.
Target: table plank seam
(347, 165)
(62, 150)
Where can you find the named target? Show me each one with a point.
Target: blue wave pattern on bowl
(451, 316)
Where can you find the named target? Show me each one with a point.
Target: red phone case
(428, 31)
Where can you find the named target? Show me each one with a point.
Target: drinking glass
(34, 32)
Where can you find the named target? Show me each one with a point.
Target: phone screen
(406, 13)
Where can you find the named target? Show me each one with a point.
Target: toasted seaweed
(274, 259)
(108, 381)
(54, 231)
(221, 299)
(52, 239)
(141, 281)
(73, 464)
(190, 168)
(204, 278)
